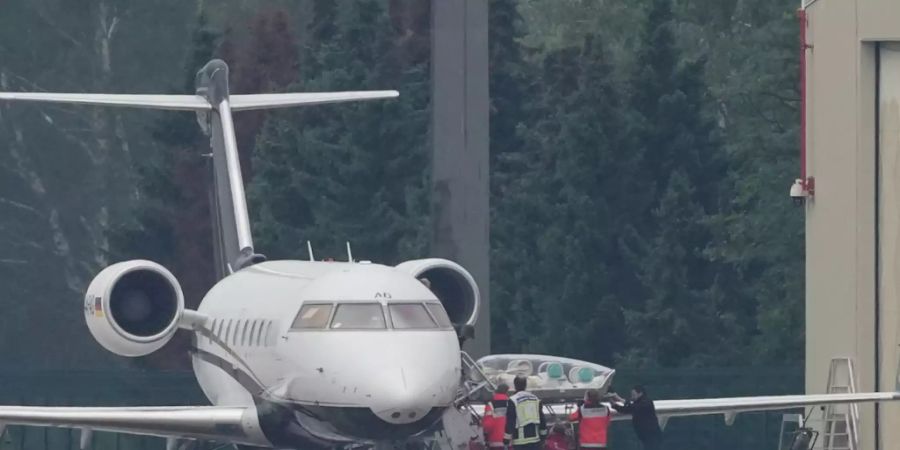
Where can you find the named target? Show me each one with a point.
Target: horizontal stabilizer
(198, 103)
(170, 102)
(266, 101)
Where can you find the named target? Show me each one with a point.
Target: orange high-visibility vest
(593, 425)
(494, 422)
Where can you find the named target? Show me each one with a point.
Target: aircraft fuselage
(360, 363)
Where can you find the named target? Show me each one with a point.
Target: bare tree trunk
(62, 248)
(111, 135)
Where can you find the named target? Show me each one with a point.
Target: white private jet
(301, 354)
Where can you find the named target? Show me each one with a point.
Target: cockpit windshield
(440, 315)
(428, 315)
(410, 315)
(313, 316)
(358, 316)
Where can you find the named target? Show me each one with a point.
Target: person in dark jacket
(643, 417)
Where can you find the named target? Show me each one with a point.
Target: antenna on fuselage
(349, 253)
(309, 249)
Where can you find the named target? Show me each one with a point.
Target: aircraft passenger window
(212, 329)
(237, 331)
(358, 316)
(259, 333)
(269, 333)
(227, 336)
(405, 316)
(252, 332)
(440, 315)
(272, 332)
(244, 332)
(312, 316)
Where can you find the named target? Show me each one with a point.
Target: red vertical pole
(801, 14)
(807, 181)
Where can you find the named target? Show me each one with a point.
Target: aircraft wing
(729, 407)
(558, 382)
(733, 405)
(228, 424)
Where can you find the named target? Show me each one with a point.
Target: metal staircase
(474, 379)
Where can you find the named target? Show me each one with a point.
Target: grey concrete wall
(888, 134)
(459, 53)
(840, 225)
(853, 223)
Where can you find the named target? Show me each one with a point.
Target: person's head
(592, 397)
(502, 388)
(559, 428)
(637, 392)
(520, 383)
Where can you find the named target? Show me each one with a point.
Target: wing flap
(268, 101)
(168, 102)
(200, 422)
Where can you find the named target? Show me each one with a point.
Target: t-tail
(232, 239)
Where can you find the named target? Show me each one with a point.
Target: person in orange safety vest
(494, 422)
(593, 419)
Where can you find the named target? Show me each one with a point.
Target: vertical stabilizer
(232, 240)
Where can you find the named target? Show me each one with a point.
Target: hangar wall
(853, 221)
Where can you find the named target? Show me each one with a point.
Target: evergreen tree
(679, 301)
(510, 167)
(355, 172)
(760, 104)
(562, 216)
(171, 224)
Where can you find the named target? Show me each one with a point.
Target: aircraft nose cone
(403, 399)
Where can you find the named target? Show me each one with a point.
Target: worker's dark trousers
(535, 446)
(652, 444)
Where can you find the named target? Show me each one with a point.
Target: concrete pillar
(461, 213)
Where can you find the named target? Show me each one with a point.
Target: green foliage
(634, 201)
(638, 156)
(353, 172)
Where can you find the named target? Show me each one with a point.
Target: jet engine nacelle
(132, 308)
(452, 284)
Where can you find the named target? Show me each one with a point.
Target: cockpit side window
(313, 316)
(358, 316)
(440, 314)
(405, 316)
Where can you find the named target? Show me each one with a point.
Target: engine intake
(132, 308)
(452, 285)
